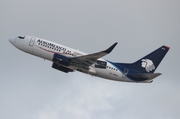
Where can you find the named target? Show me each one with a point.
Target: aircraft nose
(12, 40)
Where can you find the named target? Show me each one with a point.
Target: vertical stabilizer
(150, 62)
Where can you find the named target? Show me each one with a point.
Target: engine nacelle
(61, 68)
(62, 60)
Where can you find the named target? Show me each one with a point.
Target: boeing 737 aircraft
(66, 59)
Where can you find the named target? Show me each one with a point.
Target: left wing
(88, 60)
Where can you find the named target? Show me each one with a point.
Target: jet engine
(61, 68)
(61, 60)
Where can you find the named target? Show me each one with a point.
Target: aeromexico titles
(66, 59)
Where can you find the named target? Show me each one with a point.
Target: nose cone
(12, 40)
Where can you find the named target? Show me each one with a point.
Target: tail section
(150, 62)
(149, 75)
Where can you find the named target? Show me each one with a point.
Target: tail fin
(150, 62)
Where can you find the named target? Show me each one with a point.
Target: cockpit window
(21, 37)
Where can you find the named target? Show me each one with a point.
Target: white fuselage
(46, 49)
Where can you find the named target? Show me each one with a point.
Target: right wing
(88, 60)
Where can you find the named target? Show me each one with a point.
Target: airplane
(66, 59)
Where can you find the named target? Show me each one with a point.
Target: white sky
(31, 89)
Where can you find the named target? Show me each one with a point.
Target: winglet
(111, 48)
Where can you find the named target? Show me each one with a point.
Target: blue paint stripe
(119, 69)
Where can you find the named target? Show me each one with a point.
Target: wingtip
(111, 48)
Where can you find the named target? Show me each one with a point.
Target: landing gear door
(31, 42)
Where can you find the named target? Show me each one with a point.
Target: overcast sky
(31, 89)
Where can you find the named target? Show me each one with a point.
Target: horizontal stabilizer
(149, 75)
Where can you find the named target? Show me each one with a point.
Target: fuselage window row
(111, 68)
